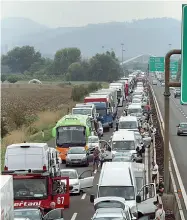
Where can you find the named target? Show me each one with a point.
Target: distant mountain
(150, 36)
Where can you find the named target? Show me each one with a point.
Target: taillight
(44, 168)
(5, 168)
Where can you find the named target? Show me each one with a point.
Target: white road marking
(74, 216)
(83, 196)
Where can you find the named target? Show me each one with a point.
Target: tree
(20, 59)
(75, 71)
(3, 78)
(64, 58)
(104, 68)
(12, 79)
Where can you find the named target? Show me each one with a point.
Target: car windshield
(123, 145)
(81, 111)
(101, 112)
(136, 101)
(67, 135)
(32, 214)
(93, 139)
(69, 173)
(122, 159)
(183, 125)
(77, 150)
(134, 110)
(30, 188)
(126, 192)
(128, 125)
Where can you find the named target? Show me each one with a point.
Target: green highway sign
(184, 56)
(173, 67)
(156, 64)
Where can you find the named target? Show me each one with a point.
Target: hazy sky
(79, 13)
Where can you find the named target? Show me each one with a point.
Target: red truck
(39, 188)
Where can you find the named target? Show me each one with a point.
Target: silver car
(77, 156)
(182, 128)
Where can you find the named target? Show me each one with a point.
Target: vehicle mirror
(138, 199)
(54, 214)
(92, 197)
(70, 187)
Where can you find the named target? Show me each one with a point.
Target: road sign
(173, 68)
(156, 64)
(184, 56)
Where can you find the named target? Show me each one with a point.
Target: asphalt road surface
(178, 113)
(80, 206)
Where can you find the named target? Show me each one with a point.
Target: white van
(129, 123)
(85, 109)
(135, 110)
(123, 141)
(118, 179)
(120, 92)
(34, 156)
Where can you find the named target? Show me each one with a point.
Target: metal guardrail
(176, 185)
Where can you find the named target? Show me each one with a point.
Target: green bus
(72, 130)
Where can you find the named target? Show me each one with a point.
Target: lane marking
(74, 216)
(83, 196)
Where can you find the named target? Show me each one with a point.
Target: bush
(3, 78)
(4, 129)
(12, 79)
(79, 92)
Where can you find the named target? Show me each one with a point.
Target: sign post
(184, 56)
(156, 64)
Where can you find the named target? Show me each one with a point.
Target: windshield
(69, 173)
(101, 112)
(71, 135)
(82, 111)
(32, 214)
(30, 188)
(118, 94)
(122, 159)
(134, 110)
(93, 139)
(128, 125)
(126, 192)
(77, 150)
(136, 101)
(183, 125)
(123, 145)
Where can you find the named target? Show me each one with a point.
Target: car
(182, 128)
(76, 181)
(93, 141)
(100, 129)
(33, 213)
(177, 92)
(77, 156)
(136, 101)
(154, 82)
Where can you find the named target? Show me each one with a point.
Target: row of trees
(67, 63)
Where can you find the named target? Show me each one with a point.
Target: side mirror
(177, 126)
(138, 199)
(92, 197)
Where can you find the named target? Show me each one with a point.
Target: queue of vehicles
(34, 168)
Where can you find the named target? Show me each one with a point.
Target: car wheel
(178, 134)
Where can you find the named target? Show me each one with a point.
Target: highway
(80, 206)
(178, 113)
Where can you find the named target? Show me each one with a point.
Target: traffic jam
(109, 134)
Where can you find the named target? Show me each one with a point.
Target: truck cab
(85, 109)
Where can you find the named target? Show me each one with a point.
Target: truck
(120, 92)
(37, 188)
(72, 131)
(7, 197)
(85, 109)
(103, 109)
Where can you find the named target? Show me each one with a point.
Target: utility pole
(122, 51)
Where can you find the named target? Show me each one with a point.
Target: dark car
(182, 128)
(177, 92)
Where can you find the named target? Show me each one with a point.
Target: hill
(150, 36)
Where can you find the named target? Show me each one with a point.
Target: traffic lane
(80, 206)
(178, 143)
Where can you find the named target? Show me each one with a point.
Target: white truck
(7, 197)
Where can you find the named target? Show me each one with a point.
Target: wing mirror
(138, 199)
(92, 197)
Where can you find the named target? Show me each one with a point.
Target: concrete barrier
(177, 201)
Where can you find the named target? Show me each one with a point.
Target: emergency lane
(80, 205)
(178, 143)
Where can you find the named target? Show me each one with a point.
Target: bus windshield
(71, 135)
(30, 188)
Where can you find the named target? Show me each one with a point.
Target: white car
(136, 101)
(76, 181)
